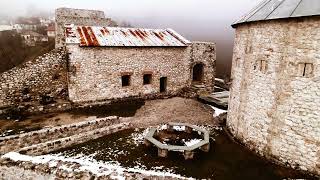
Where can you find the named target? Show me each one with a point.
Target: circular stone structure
(275, 93)
(187, 149)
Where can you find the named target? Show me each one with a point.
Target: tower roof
(280, 9)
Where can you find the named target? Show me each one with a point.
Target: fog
(197, 20)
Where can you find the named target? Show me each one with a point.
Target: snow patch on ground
(162, 127)
(217, 111)
(87, 163)
(179, 128)
(138, 137)
(191, 142)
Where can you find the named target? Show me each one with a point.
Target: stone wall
(275, 94)
(85, 136)
(36, 84)
(78, 17)
(16, 142)
(17, 170)
(203, 53)
(95, 72)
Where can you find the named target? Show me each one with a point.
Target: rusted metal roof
(87, 36)
(280, 9)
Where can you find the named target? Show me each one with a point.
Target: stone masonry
(36, 84)
(275, 94)
(73, 75)
(95, 72)
(16, 142)
(78, 17)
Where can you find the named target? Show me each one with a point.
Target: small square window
(125, 79)
(147, 79)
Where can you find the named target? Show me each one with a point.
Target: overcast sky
(203, 20)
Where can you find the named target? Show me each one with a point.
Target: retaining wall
(16, 142)
(50, 146)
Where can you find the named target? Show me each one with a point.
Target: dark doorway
(197, 73)
(163, 84)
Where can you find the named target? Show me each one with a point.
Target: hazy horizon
(197, 20)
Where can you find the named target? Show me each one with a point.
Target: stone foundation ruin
(182, 137)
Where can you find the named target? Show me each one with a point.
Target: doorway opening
(163, 84)
(197, 73)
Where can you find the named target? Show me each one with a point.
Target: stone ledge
(15, 142)
(50, 146)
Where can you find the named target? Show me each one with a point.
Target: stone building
(275, 95)
(113, 63)
(78, 17)
(97, 63)
(31, 38)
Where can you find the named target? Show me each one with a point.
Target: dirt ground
(141, 114)
(32, 123)
(173, 110)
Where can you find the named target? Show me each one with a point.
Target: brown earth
(153, 112)
(37, 122)
(175, 109)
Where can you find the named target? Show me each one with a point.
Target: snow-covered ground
(87, 163)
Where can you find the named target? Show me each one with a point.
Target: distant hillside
(13, 52)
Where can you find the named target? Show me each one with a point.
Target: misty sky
(203, 20)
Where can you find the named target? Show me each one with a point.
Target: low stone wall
(50, 146)
(36, 84)
(15, 142)
(27, 170)
(17, 173)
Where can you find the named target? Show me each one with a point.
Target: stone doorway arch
(198, 73)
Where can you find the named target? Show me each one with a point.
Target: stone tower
(275, 95)
(78, 17)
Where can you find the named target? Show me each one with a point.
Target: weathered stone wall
(274, 102)
(78, 17)
(36, 84)
(203, 53)
(17, 170)
(18, 173)
(95, 72)
(57, 144)
(15, 142)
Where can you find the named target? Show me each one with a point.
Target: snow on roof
(116, 36)
(279, 9)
